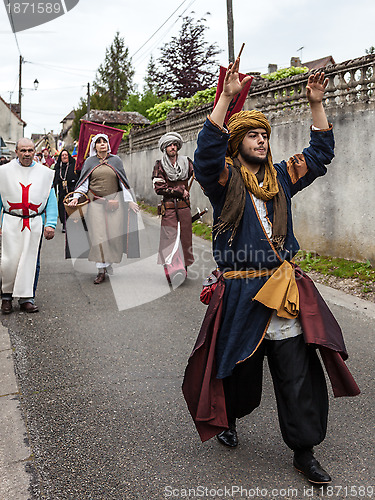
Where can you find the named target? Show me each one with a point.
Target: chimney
(296, 62)
(272, 68)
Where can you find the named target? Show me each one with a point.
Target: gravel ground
(347, 285)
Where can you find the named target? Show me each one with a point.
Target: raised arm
(315, 89)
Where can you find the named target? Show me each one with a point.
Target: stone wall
(334, 216)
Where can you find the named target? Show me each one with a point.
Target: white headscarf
(180, 170)
(93, 142)
(168, 139)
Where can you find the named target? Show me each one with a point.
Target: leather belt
(31, 216)
(180, 204)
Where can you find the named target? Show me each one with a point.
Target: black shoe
(311, 468)
(6, 306)
(228, 437)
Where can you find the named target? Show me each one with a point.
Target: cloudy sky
(65, 53)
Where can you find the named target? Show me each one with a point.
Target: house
(66, 130)
(11, 125)
(313, 65)
(48, 140)
(116, 118)
(319, 63)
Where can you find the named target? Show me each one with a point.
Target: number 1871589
(347, 491)
(34, 8)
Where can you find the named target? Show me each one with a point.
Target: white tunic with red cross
(24, 191)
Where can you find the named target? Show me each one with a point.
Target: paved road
(99, 387)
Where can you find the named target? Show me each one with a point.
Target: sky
(64, 54)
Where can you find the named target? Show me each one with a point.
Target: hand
(185, 194)
(49, 233)
(73, 203)
(231, 87)
(232, 84)
(134, 206)
(315, 88)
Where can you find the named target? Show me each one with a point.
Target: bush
(280, 74)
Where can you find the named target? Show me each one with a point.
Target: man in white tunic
(29, 211)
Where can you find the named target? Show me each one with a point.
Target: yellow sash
(280, 291)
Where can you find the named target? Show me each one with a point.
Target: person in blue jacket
(252, 238)
(29, 206)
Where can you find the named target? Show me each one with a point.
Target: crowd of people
(260, 304)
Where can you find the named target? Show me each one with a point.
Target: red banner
(87, 131)
(237, 101)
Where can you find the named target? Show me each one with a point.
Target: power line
(63, 69)
(55, 66)
(149, 51)
(39, 112)
(165, 22)
(58, 88)
(9, 8)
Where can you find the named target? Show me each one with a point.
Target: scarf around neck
(234, 205)
(177, 172)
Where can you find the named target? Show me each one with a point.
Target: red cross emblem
(25, 206)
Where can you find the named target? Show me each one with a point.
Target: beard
(254, 160)
(172, 154)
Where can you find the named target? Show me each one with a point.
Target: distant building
(66, 130)
(36, 138)
(11, 125)
(49, 141)
(319, 63)
(323, 62)
(115, 118)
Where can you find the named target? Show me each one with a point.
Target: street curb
(348, 301)
(14, 452)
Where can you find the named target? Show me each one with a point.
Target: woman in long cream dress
(112, 211)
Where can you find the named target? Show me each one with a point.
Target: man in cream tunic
(30, 209)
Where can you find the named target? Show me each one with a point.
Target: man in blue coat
(253, 244)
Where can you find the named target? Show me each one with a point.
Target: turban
(93, 142)
(168, 139)
(240, 123)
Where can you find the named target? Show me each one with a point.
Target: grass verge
(364, 272)
(148, 208)
(203, 230)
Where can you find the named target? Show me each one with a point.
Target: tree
(115, 75)
(371, 50)
(141, 102)
(150, 78)
(188, 63)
